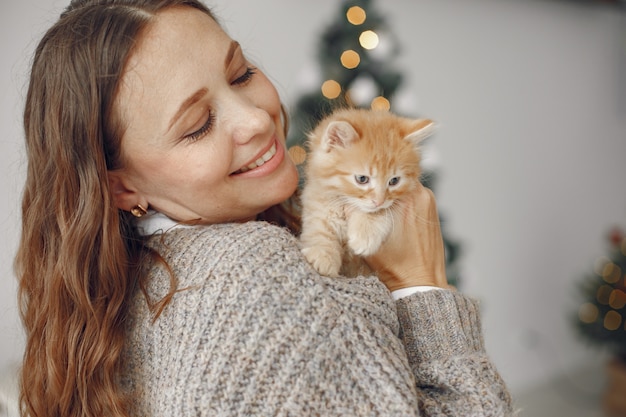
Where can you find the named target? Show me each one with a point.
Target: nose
(379, 197)
(247, 121)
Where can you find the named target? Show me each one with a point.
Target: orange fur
(360, 163)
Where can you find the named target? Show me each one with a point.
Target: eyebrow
(195, 97)
(234, 45)
(190, 101)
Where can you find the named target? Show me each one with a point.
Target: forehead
(173, 28)
(181, 49)
(176, 37)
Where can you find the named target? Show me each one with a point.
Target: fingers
(425, 197)
(414, 253)
(422, 206)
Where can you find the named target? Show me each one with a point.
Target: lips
(269, 154)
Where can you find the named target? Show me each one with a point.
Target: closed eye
(206, 127)
(246, 77)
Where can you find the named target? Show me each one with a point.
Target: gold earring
(138, 211)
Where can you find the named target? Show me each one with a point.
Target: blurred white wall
(531, 96)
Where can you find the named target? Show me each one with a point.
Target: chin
(282, 188)
(286, 185)
(291, 184)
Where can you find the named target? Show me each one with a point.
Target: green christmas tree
(601, 317)
(356, 55)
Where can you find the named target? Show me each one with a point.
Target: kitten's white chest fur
(331, 248)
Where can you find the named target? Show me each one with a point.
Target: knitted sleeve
(254, 330)
(442, 336)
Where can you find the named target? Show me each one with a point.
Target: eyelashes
(244, 79)
(206, 127)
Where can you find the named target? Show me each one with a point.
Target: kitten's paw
(366, 233)
(325, 262)
(363, 244)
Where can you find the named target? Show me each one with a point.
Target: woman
(149, 286)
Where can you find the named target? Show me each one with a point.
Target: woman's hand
(413, 254)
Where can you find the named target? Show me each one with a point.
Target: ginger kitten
(360, 163)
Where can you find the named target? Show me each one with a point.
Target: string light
(331, 89)
(381, 103)
(350, 59)
(297, 154)
(368, 39)
(356, 15)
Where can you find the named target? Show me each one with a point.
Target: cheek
(178, 169)
(204, 163)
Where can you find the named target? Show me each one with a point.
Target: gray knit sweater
(255, 331)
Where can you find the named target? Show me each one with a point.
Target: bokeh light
(331, 89)
(350, 59)
(617, 299)
(611, 273)
(600, 264)
(588, 313)
(381, 103)
(297, 154)
(368, 39)
(612, 320)
(356, 15)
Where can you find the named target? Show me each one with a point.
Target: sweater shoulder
(234, 238)
(232, 250)
(249, 258)
(246, 301)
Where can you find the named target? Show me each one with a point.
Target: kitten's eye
(394, 181)
(361, 179)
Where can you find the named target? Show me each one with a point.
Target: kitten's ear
(338, 134)
(421, 129)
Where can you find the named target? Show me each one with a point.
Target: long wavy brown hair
(79, 257)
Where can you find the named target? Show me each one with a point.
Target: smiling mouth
(263, 159)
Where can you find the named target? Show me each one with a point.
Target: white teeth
(263, 159)
(268, 155)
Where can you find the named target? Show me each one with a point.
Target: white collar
(155, 223)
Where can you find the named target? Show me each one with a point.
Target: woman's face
(203, 136)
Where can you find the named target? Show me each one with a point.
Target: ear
(338, 134)
(420, 130)
(124, 195)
